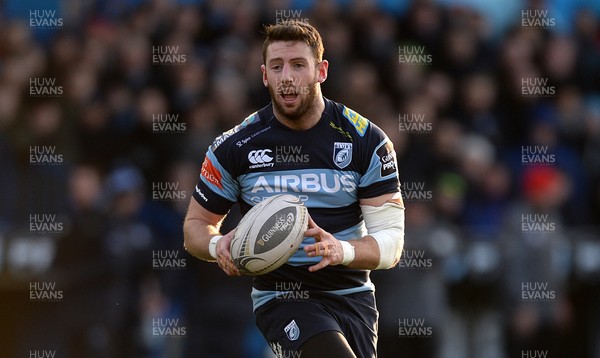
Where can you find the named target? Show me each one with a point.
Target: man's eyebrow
(293, 59)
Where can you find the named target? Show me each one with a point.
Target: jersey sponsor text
(305, 183)
(210, 173)
(387, 159)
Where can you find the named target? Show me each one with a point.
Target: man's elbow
(188, 237)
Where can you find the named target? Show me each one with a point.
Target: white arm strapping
(212, 246)
(386, 225)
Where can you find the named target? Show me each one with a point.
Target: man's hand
(224, 256)
(199, 227)
(326, 246)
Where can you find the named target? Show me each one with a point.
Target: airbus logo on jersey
(305, 183)
(260, 158)
(342, 154)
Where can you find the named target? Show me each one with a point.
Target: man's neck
(308, 120)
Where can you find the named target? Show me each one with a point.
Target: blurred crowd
(474, 192)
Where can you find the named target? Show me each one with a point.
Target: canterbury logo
(260, 156)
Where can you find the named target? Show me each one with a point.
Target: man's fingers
(311, 223)
(318, 249)
(313, 250)
(323, 263)
(321, 249)
(325, 245)
(313, 232)
(231, 270)
(227, 265)
(224, 256)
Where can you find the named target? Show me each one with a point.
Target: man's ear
(263, 68)
(322, 68)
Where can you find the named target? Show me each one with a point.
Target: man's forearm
(197, 234)
(366, 253)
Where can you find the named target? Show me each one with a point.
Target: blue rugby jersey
(330, 166)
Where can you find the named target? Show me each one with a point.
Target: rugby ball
(269, 234)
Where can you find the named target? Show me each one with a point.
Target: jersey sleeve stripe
(217, 179)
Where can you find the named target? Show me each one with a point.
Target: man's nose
(286, 74)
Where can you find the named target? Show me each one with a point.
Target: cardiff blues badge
(292, 331)
(342, 154)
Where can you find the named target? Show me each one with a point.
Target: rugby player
(344, 169)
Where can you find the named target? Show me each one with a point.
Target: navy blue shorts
(288, 321)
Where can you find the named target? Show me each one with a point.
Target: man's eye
(299, 65)
(276, 68)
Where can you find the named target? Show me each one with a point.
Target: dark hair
(294, 31)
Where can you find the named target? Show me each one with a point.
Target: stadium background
(495, 120)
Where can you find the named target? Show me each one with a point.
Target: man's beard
(307, 103)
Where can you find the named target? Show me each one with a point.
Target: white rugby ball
(269, 234)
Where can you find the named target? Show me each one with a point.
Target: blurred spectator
(416, 289)
(538, 261)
